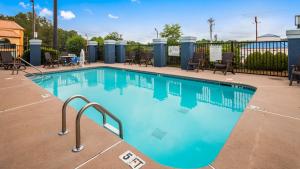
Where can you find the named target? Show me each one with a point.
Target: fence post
(35, 52)
(92, 51)
(120, 51)
(159, 47)
(109, 51)
(187, 47)
(293, 48)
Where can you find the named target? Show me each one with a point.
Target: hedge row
(54, 53)
(267, 61)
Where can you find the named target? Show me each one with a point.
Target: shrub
(267, 61)
(54, 53)
(75, 44)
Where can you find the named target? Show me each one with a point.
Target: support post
(159, 46)
(109, 51)
(187, 49)
(35, 52)
(293, 48)
(120, 51)
(92, 51)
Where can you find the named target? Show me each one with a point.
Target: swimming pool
(176, 122)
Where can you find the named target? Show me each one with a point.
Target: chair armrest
(295, 67)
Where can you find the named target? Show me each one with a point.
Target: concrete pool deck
(267, 135)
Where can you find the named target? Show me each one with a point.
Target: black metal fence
(138, 49)
(263, 58)
(16, 50)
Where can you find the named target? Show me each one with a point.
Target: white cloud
(67, 15)
(24, 5)
(113, 16)
(135, 1)
(45, 12)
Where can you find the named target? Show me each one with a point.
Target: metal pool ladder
(78, 147)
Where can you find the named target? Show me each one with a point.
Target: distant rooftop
(7, 24)
(269, 35)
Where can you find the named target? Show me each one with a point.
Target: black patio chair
(8, 61)
(226, 64)
(196, 62)
(130, 59)
(295, 76)
(146, 58)
(49, 61)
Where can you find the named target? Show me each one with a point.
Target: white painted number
(132, 160)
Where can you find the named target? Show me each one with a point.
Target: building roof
(6, 24)
(9, 34)
(269, 35)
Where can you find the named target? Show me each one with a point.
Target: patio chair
(226, 64)
(295, 76)
(49, 61)
(146, 58)
(74, 61)
(8, 61)
(130, 58)
(196, 61)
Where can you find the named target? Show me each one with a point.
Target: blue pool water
(176, 122)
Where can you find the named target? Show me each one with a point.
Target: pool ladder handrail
(78, 147)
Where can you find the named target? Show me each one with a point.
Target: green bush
(267, 61)
(54, 53)
(75, 44)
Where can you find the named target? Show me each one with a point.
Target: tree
(114, 36)
(172, 32)
(98, 39)
(44, 28)
(75, 44)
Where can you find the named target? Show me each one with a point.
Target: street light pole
(33, 20)
(55, 24)
(211, 23)
(156, 33)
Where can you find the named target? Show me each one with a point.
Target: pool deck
(267, 135)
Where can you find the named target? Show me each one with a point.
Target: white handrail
(31, 65)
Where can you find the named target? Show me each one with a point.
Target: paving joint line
(268, 112)
(26, 105)
(99, 154)
(15, 86)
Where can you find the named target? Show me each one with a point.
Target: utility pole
(156, 33)
(256, 26)
(55, 24)
(33, 20)
(211, 23)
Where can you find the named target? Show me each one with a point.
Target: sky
(136, 19)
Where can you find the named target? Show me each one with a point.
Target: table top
(68, 56)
